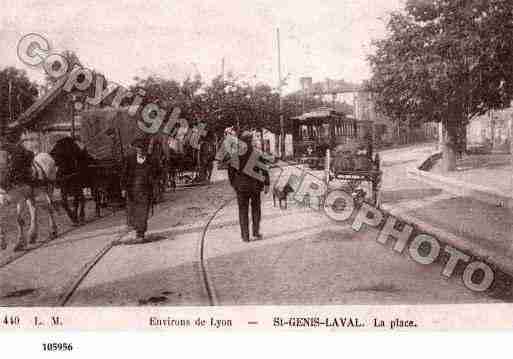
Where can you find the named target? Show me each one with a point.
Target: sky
(175, 39)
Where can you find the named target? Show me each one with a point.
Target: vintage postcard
(256, 165)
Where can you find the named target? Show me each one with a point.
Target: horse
(74, 174)
(23, 177)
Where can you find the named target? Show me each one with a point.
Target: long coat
(243, 182)
(138, 180)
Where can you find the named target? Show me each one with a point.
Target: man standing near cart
(248, 189)
(139, 174)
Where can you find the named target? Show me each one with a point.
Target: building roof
(27, 118)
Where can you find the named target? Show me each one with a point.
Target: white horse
(43, 173)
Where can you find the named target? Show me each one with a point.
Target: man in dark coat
(139, 174)
(248, 188)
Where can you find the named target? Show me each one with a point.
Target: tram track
(74, 283)
(18, 255)
(207, 281)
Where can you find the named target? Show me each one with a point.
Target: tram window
(304, 132)
(325, 130)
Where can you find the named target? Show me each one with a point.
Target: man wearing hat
(248, 189)
(138, 175)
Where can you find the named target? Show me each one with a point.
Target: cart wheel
(340, 205)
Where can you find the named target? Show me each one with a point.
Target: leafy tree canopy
(23, 93)
(445, 60)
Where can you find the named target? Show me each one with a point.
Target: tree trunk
(262, 142)
(277, 145)
(511, 137)
(462, 150)
(449, 146)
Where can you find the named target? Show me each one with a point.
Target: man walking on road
(138, 176)
(248, 189)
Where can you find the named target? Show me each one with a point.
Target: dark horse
(74, 174)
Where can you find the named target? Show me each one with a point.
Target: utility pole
(72, 112)
(10, 101)
(222, 70)
(282, 130)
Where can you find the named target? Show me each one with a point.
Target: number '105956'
(53, 347)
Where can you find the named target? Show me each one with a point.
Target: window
(315, 132)
(304, 132)
(326, 130)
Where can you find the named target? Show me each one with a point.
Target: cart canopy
(108, 133)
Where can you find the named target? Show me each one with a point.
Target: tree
(225, 102)
(448, 61)
(230, 103)
(17, 93)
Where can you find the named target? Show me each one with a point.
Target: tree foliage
(445, 60)
(23, 93)
(226, 102)
(221, 104)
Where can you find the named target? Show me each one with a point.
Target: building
(54, 115)
(492, 131)
(51, 117)
(386, 131)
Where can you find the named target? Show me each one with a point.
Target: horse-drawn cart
(107, 135)
(356, 169)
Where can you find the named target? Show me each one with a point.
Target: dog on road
(281, 194)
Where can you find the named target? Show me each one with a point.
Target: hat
(141, 143)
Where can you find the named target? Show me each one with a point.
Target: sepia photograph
(161, 155)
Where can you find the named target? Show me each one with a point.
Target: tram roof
(320, 113)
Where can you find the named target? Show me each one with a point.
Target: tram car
(342, 147)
